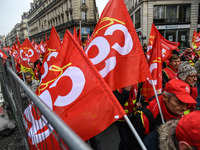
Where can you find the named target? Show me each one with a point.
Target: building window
(59, 19)
(71, 15)
(70, 2)
(132, 18)
(158, 12)
(171, 14)
(67, 4)
(137, 19)
(67, 17)
(199, 15)
(84, 16)
(83, 2)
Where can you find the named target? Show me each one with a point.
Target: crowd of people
(179, 100)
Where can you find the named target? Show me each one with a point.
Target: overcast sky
(11, 11)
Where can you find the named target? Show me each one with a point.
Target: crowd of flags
(77, 83)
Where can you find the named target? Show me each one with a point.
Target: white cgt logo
(104, 48)
(78, 82)
(27, 56)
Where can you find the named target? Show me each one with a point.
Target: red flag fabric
(27, 54)
(2, 54)
(166, 46)
(78, 94)
(115, 49)
(159, 50)
(33, 42)
(75, 34)
(196, 41)
(15, 53)
(87, 42)
(19, 45)
(53, 49)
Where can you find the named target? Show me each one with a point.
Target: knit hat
(185, 69)
(188, 129)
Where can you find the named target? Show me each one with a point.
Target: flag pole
(154, 89)
(135, 133)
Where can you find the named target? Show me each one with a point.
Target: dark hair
(174, 56)
(28, 74)
(188, 45)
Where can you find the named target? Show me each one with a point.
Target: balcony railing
(171, 20)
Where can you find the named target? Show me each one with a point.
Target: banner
(77, 94)
(115, 49)
(159, 50)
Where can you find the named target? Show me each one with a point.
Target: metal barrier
(11, 85)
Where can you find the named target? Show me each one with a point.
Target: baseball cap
(188, 129)
(180, 89)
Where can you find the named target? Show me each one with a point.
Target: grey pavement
(109, 138)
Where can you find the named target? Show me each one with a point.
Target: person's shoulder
(35, 81)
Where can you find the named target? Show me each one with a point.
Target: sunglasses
(192, 76)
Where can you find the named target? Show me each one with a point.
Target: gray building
(2, 41)
(175, 20)
(63, 14)
(20, 30)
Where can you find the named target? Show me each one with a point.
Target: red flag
(87, 42)
(40, 48)
(75, 34)
(159, 50)
(27, 54)
(115, 49)
(15, 53)
(33, 42)
(166, 46)
(2, 54)
(53, 49)
(78, 95)
(19, 45)
(196, 41)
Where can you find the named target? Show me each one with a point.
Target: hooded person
(181, 134)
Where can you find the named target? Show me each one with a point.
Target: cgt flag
(2, 54)
(53, 49)
(115, 49)
(77, 93)
(27, 54)
(159, 50)
(196, 41)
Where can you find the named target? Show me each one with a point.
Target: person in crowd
(181, 134)
(18, 69)
(188, 54)
(145, 49)
(130, 100)
(170, 72)
(174, 101)
(34, 71)
(30, 82)
(188, 74)
(38, 65)
(196, 54)
(166, 63)
(197, 67)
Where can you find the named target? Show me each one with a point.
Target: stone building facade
(175, 20)
(63, 14)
